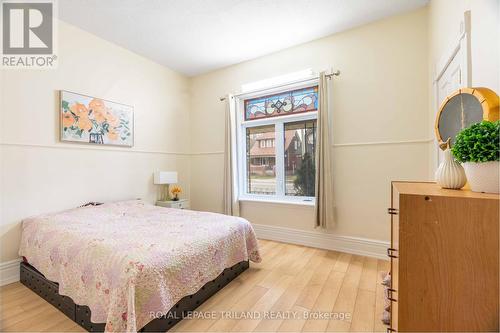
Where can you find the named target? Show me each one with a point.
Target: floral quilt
(129, 260)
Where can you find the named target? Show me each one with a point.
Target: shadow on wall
(57, 115)
(9, 241)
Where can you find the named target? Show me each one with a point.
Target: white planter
(450, 173)
(483, 177)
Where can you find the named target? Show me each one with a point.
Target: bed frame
(80, 314)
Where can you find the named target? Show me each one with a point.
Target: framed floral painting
(87, 119)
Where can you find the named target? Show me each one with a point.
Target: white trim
(281, 119)
(279, 159)
(460, 42)
(335, 145)
(215, 152)
(291, 200)
(376, 143)
(9, 272)
(296, 84)
(72, 146)
(354, 245)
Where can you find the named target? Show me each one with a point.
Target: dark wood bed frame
(80, 314)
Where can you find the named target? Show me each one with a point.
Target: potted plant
(478, 148)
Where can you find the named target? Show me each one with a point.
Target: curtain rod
(328, 76)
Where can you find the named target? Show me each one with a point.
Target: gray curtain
(324, 175)
(230, 201)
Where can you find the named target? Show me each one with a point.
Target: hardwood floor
(306, 284)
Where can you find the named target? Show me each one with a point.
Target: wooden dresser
(444, 259)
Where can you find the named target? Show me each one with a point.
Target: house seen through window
(280, 140)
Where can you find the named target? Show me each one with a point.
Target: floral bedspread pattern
(128, 260)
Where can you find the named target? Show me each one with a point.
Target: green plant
(304, 183)
(478, 143)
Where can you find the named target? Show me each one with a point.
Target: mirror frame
(486, 97)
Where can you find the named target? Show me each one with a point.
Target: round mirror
(463, 108)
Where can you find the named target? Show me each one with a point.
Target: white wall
(39, 174)
(381, 96)
(445, 17)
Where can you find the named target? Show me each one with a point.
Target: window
(261, 161)
(278, 141)
(299, 158)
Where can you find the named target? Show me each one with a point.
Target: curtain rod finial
(333, 73)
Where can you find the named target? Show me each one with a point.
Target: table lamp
(165, 178)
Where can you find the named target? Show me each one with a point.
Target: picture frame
(91, 120)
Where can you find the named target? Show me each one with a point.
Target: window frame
(279, 123)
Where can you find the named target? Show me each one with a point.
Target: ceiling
(197, 36)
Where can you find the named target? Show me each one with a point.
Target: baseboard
(9, 272)
(354, 245)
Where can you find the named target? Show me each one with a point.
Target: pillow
(92, 203)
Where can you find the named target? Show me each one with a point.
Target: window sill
(310, 203)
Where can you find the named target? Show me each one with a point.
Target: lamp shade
(165, 177)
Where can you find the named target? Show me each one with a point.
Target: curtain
(324, 176)
(231, 204)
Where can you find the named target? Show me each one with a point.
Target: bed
(129, 263)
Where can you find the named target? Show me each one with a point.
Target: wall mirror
(463, 108)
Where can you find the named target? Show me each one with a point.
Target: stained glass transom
(290, 102)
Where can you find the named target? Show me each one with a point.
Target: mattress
(130, 261)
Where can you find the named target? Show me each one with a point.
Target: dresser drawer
(444, 259)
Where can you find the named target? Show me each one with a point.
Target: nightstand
(181, 203)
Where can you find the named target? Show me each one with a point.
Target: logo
(28, 36)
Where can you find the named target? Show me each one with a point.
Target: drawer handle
(392, 211)
(390, 253)
(389, 295)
